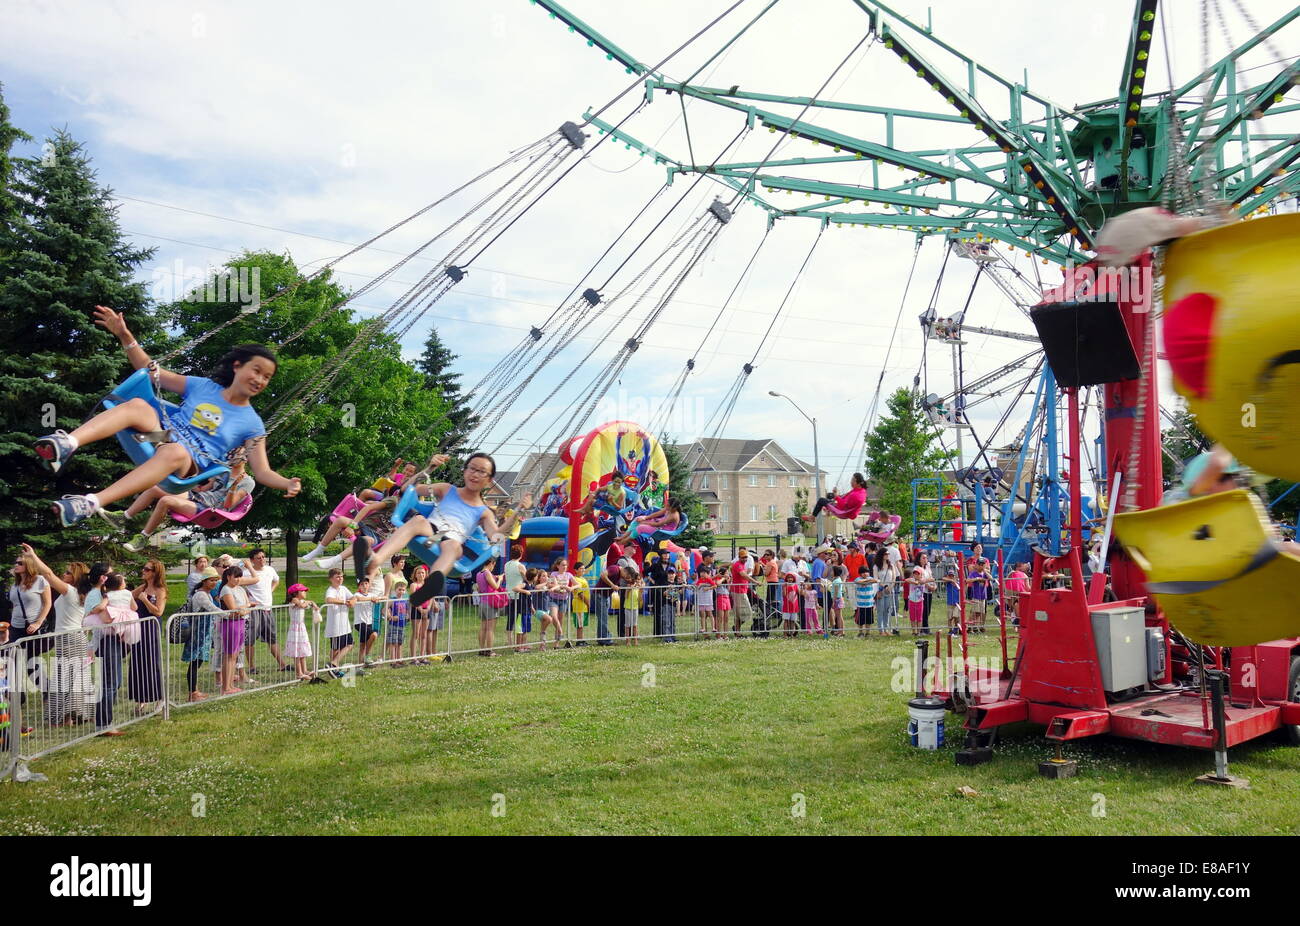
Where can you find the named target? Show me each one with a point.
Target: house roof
(505, 482)
(536, 469)
(731, 455)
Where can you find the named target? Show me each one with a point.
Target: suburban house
(748, 486)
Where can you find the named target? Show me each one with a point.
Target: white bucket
(925, 723)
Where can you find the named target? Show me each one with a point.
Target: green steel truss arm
(594, 38)
(1040, 192)
(1133, 82)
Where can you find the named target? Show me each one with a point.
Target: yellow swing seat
(1252, 399)
(1215, 569)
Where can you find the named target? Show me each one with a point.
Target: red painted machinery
(1070, 674)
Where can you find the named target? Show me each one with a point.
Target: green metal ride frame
(1045, 177)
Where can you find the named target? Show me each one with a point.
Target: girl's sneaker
(138, 544)
(54, 450)
(73, 509)
(330, 562)
(116, 519)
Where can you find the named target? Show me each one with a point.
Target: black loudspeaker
(793, 526)
(1086, 342)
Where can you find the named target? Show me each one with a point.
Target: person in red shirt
(739, 578)
(790, 605)
(854, 559)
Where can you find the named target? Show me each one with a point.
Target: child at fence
(916, 598)
(298, 644)
(581, 608)
(363, 620)
(978, 580)
(419, 617)
(811, 606)
(721, 602)
(673, 596)
(539, 595)
(396, 612)
(952, 585)
(790, 604)
(631, 601)
(337, 628)
(561, 602)
(705, 582)
(491, 599)
(520, 622)
(236, 608)
(1017, 587)
(864, 591)
(835, 621)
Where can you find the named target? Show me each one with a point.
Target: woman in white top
(927, 575)
(885, 574)
(30, 597)
(66, 703)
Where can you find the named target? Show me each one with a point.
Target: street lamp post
(817, 466)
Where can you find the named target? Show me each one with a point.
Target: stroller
(767, 615)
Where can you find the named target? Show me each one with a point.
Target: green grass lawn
(725, 741)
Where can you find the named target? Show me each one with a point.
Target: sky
(308, 127)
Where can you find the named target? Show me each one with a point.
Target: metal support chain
(189, 345)
(592, 396)
(692, 231)
(387, 274)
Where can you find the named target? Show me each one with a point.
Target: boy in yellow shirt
(581, 607)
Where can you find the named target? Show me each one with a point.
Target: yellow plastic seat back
(1253, 376)
(1214, 569)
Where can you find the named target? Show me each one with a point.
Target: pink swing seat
(210, 518)
(347, 508)
(891, 525)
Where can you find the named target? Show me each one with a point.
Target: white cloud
(336, 120)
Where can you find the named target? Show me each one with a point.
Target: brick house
(748, 486)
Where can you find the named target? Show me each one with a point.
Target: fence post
(17, 766)
(449, 628)
(164, 647)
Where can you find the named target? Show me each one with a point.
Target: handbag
(179, 630)
(497, 599)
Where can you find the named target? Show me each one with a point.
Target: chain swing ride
(1046, 179)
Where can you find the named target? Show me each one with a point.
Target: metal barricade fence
(202, 647)
(64, 687)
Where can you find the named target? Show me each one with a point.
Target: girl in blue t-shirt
(215, 417)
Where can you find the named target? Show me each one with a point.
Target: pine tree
(901, 448)
(435, 363)
(9, 133)
(679, 489)
(63, 253)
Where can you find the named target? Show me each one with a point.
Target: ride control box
(1121, 638)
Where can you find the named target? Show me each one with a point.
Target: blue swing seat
(478, 549)
(139, 386)
(652, 541)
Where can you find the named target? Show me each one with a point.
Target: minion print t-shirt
(209, 425)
